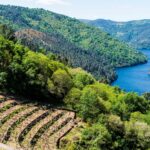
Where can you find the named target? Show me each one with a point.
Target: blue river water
(135, 78)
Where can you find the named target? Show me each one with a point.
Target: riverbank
(134, 78)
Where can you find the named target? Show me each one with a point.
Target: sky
(118, 10)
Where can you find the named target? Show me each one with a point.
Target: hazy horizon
(123, 10)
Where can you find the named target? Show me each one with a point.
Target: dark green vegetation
(113, 119)
(32, 73)
(67, 52)
(83, 46)
(116, 120)
(27, 72)
(136, 33)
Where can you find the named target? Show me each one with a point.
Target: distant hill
(96, 45)
(136, 33)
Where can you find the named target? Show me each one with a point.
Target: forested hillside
(136, 33)
(108, 118)
(67, 52)
(88, 40)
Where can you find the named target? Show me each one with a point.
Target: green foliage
(68, 53)
(136, 103)
(146, 96)
(72, 99)
(115, 125)
(7, 32)
(81, 78)
(137, 136)
(35, 72)
(74, 42)
(3, 77)
(116, 128)
(110, 114)
(136, 33)
(138, 116)
(5, 53)
(120, 108)
(103, 105)
(96, 137)
(62, 81)
(125, 104)
(91, 105)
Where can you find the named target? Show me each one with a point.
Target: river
(135, 78)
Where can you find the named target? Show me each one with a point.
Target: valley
(55, 83)
(136, 34)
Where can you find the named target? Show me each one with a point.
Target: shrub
(81, 78)
(136, 103)
(72, 99)
(137, 136)
(96, 137)
(62, 81)
(91, 105)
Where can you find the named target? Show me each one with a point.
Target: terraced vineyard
(26, 126)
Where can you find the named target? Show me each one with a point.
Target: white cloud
(52, 2)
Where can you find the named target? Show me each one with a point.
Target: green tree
(95, 137)
(136, 103)
(72, 99)
(7, 32)
(137, 136)
(91, 105)
(117, 130)
(81, 78)
(62, 81)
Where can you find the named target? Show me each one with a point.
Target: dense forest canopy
(136, 33)
(68, 53)
(106, 52)
(111, 118)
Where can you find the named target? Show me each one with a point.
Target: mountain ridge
(134, 32)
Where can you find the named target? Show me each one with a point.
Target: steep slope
(28, 118)
(136, 33)
(107, 114)
(75, 56)
(90, 39)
